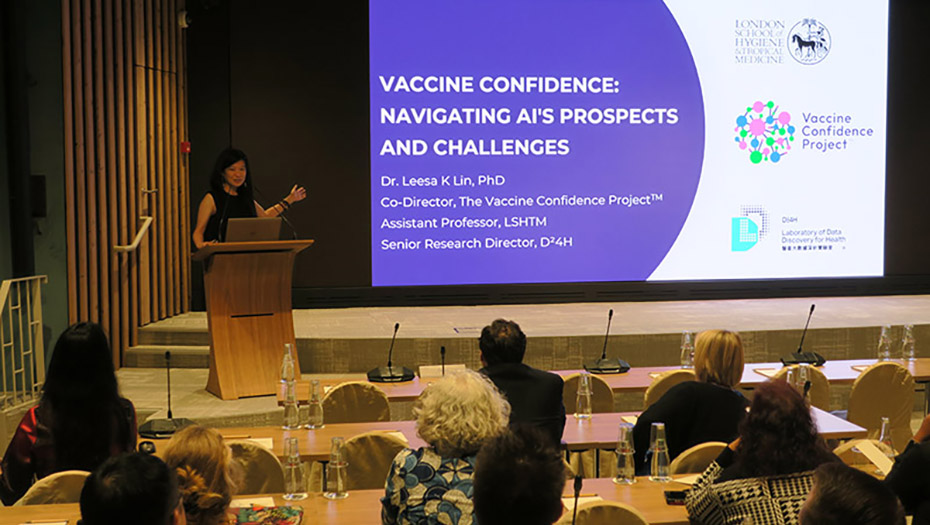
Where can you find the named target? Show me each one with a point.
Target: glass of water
(583, 401)
(295, 476)
(626, 469)
(315, 407)
(336, 471)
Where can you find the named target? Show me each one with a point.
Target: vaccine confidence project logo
(765, 132)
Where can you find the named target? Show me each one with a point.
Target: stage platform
(345, 343)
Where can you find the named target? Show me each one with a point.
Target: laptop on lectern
(253, 229)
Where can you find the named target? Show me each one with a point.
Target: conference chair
(663, 383)
(261, 469)
(369, 457)
(697, 458)
(850, 454)
(884, 389)
(60, 487)
(604, 513)
(355, 402)
(819, 394)
(602, 401)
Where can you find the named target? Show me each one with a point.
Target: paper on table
(767, 372)
(876, 456)
(630, 419)
(263, 442)
(398, 434)
(264, 501)
(569, 501)
(326, 389)
(654, 374)
(860, 368)
(690, 479)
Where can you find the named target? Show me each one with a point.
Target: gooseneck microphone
(160, 428)
(614, 365)
(578, 482)
(280, 215)
(390, 373)
(442, 359)
(800, 356)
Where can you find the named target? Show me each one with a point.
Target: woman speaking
(230, 197)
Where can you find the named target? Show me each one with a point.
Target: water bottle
(295, 482)
(291, 412)
(884, 437)
(336, 471)
(583, 399)
(884, 344)
(659, 462)
(908, 344)
(687, 350)
(626, 468)
(315, 419)
(288, 372)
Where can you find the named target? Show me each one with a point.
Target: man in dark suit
(535, 396)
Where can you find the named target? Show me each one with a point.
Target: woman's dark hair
(778, 435)
(227, 158)
(130, 488)
(80, 399)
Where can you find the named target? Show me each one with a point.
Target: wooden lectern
(248, 293)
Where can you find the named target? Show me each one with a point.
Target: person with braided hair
(207, 474)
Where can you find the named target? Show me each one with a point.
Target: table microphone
(614, 365)
(160, 428)
(442, 359)
(390, 373)
(801, 356)
(578, 482)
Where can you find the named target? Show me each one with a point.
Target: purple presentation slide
(529, 141)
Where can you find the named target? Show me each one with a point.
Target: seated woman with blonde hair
(455, 416)
(709, 409)
(207, 476)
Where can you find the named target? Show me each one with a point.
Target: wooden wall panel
(125, 105)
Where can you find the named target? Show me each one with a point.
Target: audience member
(207, 474)
(767, 473)
(132, 488)
(845, 496)
(694, 412)
(908, 478)
(455, 416)
(80, 421)
(519, 479)
(535, 396)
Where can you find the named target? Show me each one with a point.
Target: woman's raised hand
(298, 193)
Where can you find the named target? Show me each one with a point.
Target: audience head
(843, 495)
(718, 357)
(460, 412)
(778, 435)
(519, 478)
(227, 158)
(502, 342)
(131, 488)
(205, 469)
(80, 398)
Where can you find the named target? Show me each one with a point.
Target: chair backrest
(666, 380)
(60, 487)
(819, 393)
(262, 471)
(883, 389)
(850, 454)
(605, 513)
(602, 397)
(369, 456)
(697, 458)
(355, 402)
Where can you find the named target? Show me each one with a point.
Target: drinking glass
(336, 471)
(626, 469)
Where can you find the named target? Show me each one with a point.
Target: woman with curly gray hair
(455, 416)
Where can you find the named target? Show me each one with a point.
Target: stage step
(153, 356)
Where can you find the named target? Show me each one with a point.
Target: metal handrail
(22, 346)
(146, 223)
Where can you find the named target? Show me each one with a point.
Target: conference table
(597, 432)
(364, 506)
(638, 379)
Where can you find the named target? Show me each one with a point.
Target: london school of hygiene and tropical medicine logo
(750, 227)
(765, 131)
(809, 41)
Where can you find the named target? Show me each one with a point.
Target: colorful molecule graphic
(765, 131)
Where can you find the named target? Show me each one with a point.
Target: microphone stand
(801, 356)
(160, 428)
(614, 365)
(390, 373)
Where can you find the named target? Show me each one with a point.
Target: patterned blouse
(425, 488)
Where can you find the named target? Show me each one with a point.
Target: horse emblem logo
(809, 41)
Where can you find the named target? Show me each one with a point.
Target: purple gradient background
(637, 42)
